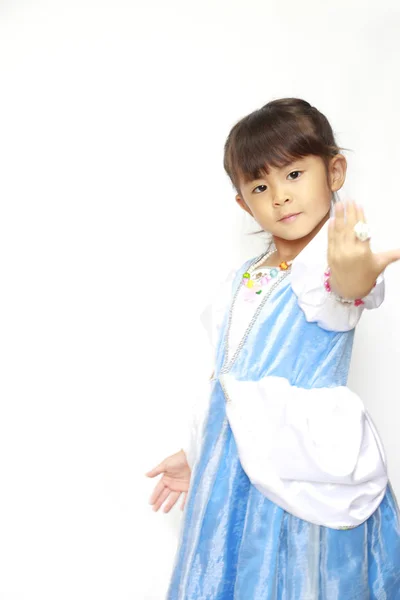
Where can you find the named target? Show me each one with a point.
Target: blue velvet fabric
(235, 544)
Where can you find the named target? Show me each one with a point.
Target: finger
(172, 501)
(384, 259)
(351, 217)
(360, 219)
(157, 470)
(339, 218)
(331, 241)
(360, 214)
(157, 491)
(163, 496)
(184, 500)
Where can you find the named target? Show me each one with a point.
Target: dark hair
(275, 135)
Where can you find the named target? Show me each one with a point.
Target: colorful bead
(253, 282)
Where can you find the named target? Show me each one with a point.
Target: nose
(281, 198)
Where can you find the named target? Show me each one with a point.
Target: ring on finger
(362, 231)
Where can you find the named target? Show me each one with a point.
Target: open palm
(354, 267)
(174, 482)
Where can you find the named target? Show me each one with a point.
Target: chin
(292, 238)
(295, 231)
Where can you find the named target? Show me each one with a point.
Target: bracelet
(327, 286)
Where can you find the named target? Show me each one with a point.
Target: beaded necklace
(254, 280)
(228, 363)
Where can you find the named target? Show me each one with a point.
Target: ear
(243, 204)
(337, 172)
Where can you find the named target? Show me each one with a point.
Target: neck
(289, 249)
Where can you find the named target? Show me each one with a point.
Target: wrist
(332, 288)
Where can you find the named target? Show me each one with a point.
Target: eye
(260, 186)
(295, 172)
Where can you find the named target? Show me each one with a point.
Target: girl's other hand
(174, 482)
(354, 267)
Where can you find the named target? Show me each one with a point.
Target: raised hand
(354, 267)
(174, 482)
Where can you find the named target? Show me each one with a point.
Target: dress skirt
(235, 544)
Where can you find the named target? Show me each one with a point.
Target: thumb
(157, 470)
(383, 259)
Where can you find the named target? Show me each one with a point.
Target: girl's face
(292, 201)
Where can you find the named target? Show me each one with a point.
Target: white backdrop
(118, 221)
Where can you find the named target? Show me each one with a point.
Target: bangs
(267, 139)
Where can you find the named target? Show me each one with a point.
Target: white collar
(317, 249)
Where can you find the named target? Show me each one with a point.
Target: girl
(289, 497)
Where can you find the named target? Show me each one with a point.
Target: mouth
(289, 218)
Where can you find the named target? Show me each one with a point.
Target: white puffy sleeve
(211, 318)
(213, 315)
(314, 452)
(195, 423)
(318, 305)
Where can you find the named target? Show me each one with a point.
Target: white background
(118, 221)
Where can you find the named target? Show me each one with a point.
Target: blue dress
(235, 543)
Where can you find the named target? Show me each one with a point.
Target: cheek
(264, 213)
(262, 205)
(320, 197)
